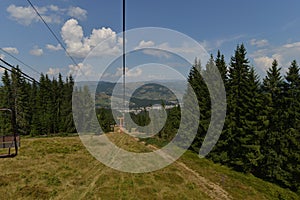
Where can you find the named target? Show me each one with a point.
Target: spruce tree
(35, 116)
(198, 85)
(6, 102)
(221, 65)
(254, 125)
(291, 139)
(271, 164)
(237, 138)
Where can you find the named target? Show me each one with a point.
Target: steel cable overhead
(27, 77)
(52, 32)
(14, 57)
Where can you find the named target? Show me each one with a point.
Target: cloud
(216, 44)
(259, 43)
(292, 45)
(79, 46)
(26, 15)
(53, 71)
(54, 8)
(135, 72)
(77, 13)
(11, 50)
(145, 44)
(129, 73)
(264, 62)
(2, 69)
(36, 51)
(50, 13)
(165, 50)
(149, 48)
(82, 70)
(284, 54)
(54, 48)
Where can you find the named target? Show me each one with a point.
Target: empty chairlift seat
(9, 140)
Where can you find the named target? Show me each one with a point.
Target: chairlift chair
(10, 140)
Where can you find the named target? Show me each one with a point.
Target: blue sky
(269, 29)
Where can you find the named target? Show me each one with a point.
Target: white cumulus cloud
(54, 48)
(54, 8)
(1, 69)
(77, 13)
(136, 72)
(284, 54)
(26, 15)
(259, 43)
(53, 71)
(82, 71)
(292, 45)
(264, 62)
(79, 46)
(145, 44)
(11, 50)
(36, 51)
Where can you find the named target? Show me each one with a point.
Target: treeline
(41, 108)
(261, 134)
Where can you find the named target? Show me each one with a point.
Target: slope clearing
(61, 168)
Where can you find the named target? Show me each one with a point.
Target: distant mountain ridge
(146, 93)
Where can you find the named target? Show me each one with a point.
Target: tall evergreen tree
(35, 117)
(237, 138)
(198, 85)
(6, 102)
(67, 125)
(254, 125)
(291, 139)
(221, 65)
(271, 164)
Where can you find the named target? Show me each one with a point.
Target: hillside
(146, 93)
(61, 168)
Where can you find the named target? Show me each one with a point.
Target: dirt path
(213, 190)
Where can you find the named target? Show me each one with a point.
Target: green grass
(239, 185)
(61, 168)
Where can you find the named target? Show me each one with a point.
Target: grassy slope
(61, 168)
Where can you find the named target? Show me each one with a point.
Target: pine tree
(291, 139)
(198, 85)
(254, 125)
(237, 139)
(67, 125)
(35, 116)
(221, 65)
(60, 100)
(6, 102)
(20, 101)
(271, 164)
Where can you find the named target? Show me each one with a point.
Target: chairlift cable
(29, 78)
(52, 32)
(14, 57)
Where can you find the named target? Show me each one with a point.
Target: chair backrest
(8, 141)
